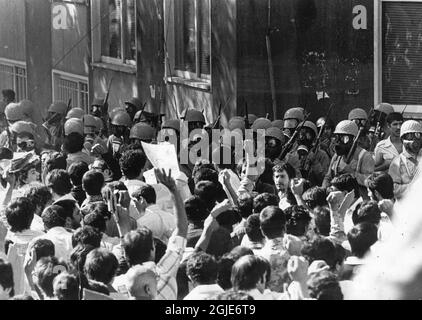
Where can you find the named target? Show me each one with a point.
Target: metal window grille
(14, 77)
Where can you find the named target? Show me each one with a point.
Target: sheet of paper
(150, 177)
(162, 156)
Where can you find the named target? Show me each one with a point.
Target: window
(68, 86)
(189, 39)
(398, 65)
(13, 76)
(116, 36)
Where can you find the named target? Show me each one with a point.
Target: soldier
(292, 118)
(13, 114)
(73, 126)
(390, 148)
(54, 124)
(313, 163)
(97, 108)
(274, 140)
(120, 128)
(360, 117)
(26, 140)
(327, 137)
(403, 168)
(9, 96)
(361, 164)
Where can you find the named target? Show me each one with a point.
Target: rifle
(321, 131)
(288, 146)
(402, 113)
(247, 125)
(354, 146)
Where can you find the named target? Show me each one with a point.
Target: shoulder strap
(360, 160)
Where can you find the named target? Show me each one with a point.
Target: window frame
(98, 59)
(410, 111)
(58, 74)
(16, 64)
(194, 79)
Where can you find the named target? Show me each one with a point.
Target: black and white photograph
(222, 151)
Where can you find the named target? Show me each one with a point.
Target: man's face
(281, 181)
(395, 127)
(273, 147)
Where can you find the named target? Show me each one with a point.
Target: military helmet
(73, 126)
(295, 113)
(347, 127)
(136, 102)
(77, 113)
(261, 123)
(142, 131)
(23, 127)
(310, 125)
(358, 113)
(122, 118)
(14, 112)
(171, 124)
(410, 126)
(59, 107)
(195, 116)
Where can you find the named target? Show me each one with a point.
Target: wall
(38, 49)
(300, 27)
(12, 32)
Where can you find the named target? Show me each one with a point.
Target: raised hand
(166, 179)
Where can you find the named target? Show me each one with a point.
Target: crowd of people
(80, 220)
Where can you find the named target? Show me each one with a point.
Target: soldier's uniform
(361, 166)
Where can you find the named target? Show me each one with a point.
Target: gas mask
(306, 137)
(96, 111)
(412, 142)
(119, 131)
(273, 147)
(343, 144)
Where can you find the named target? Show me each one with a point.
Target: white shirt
(161, 223)
(62, 240)
(204, 292)
(134, 185)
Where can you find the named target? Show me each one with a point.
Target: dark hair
(22, 297)
(196, 210)
(205, 174)
(381, 182)
(73, 143)
(233, 295)
(101, 265)
(394, 116)
(46, 270)
(324, 285)
(147, 192)
(253, 228)
(314, 197)
(200, 165)
(263, 200)
(361, 238)
(43, 248)
(97, 208)
(78, 257)
(322, 221)
(248, 271)
(66, 287)
(54, 216)
(19, 214)
(273, 222)
(346, 182)
(297, 220)
(6, 277)
(202, 268)
(284, 166)
(225, 265)
(245, 205)
(56, 160)
(59, 182)
(367, 211)
(95, 220)
(77, 171)
(320, 248)
(207, 191)
(93, 182)
(39, 196)
(138, 245)
(87, 235)
(132, 163)
(9, 94)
